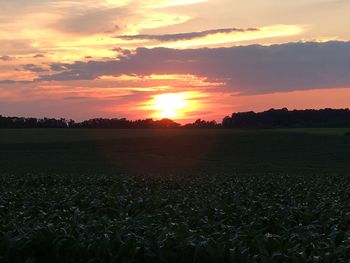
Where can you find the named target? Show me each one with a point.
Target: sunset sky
(172, 58)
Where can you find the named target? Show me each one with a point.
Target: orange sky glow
(175, 59)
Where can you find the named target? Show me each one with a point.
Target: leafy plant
(189, 218)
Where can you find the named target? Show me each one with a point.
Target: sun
(170, 105)
(176, 105)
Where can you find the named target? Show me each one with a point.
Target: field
(175, 195)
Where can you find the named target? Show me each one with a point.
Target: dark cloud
(251, 69)
(76, 98)
(115, 28)
(39, 56)
(122, 52)
(59, 66)
(7, 81)
(5, 58)
(33, 68)
(10, 81)
(184, 36)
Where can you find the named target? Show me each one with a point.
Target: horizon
(171, 58)
(219, 122)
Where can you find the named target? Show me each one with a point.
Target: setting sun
(179, 106)
(170, 105)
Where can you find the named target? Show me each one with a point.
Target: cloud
(33, 68)
(59, 66)
(122, 52)
(5, 58)
(39, 56)
(172, 3)
(76, 98)
(251, 69)
(93, 21)
(10, 81)
(184, 36)
(17, 47)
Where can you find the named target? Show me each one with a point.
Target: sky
(172, 58)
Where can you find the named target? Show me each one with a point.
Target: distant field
(175, 195)
(175, 151)
(330, 131)
(72, 135)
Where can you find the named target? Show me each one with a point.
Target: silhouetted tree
(20, 122)
(202, 124)
(283, 118)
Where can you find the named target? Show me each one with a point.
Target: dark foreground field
(174, 196)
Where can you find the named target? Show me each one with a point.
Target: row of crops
(194, 218)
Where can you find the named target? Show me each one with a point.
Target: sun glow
(170, 105)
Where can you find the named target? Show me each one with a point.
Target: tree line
(283, 118)
(273, 118)
(21, 122)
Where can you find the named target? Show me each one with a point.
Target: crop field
(175, 196)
